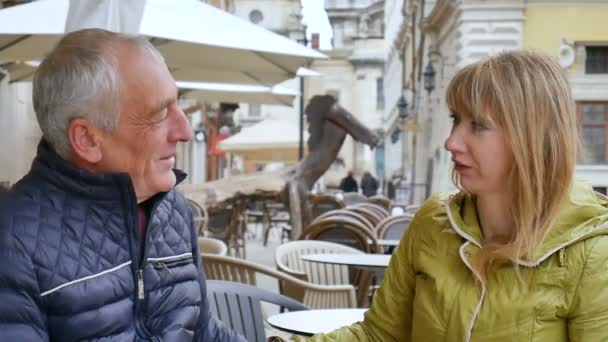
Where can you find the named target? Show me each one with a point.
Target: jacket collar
(585, 215)
(56, 170)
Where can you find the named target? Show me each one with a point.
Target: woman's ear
(85, 140)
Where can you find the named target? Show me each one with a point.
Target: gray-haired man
(95, 243)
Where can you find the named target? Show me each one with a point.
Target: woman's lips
(460, 166)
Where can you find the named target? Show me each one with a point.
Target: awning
(199, 41)
(237, 93)
(267, 134)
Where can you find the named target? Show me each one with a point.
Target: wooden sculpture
(329, 124)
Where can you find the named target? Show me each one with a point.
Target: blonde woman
(521, 252)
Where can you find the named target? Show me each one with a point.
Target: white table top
(310, 322)
(359, 260)
(389, 243)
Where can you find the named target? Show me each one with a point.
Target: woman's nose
(454, 143)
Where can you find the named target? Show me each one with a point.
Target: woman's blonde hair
(528, 97)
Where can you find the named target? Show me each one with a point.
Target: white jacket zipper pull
(140, 284)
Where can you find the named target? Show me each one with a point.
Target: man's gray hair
(80, 78)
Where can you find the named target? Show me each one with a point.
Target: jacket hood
(583, 216)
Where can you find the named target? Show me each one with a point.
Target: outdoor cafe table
(369, 261)
(310, 322)
(389, 243)
(385, 243)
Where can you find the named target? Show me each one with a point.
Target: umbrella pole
(301, 125)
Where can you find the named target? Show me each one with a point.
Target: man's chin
(169, 182)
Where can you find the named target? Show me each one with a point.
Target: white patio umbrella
(267, 134)
(199, 41)
(19, 71)
(237, 93)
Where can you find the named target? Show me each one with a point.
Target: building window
(596, 61)
(593, 121)
(255, 110)
(379, 93)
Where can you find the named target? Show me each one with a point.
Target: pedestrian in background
(349, 184)
(369, 184)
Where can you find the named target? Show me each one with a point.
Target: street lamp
(304, 41)
(402, 107)
(199, 135)
(401, 188)
(429, 78)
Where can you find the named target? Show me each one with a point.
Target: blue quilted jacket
(71, 267)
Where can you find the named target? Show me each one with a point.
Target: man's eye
(162, 114)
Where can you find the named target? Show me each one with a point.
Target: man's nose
(181, 131)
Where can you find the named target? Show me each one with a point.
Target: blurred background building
(429, 40)
(389, 64)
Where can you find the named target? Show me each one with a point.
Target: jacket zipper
(137, 264)
(167, 264)
(141, 296)
(140, 285)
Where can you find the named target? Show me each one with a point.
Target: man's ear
(85, 140)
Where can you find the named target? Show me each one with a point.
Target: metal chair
(239, 307)
(312, 295)
(276, 217)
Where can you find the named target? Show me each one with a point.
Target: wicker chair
(239, 307)
(312, 295)
(397, 209)
(212, 246)
(373, 207)
(381, 201)
(349, 232)
(322, 203)
(393, 227)
(343, 230)
(351, 198)
(347, 213)
(411, 209)
(369, 214)
(288, 258)
(200, 217)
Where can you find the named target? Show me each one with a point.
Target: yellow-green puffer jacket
(429, 292)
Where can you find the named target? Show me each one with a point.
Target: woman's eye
(478, 126)
(454, 119)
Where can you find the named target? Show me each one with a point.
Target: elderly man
(95, 243)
